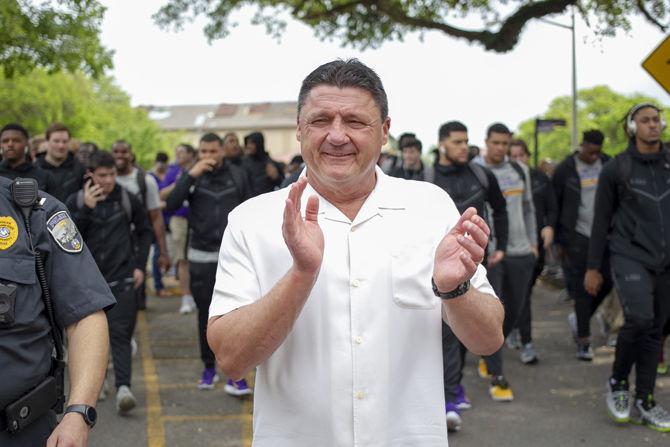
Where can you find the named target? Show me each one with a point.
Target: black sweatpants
(453, 359)
(510, 279)
(574, 269)
(203, 277)
(645, 298)
(526, 317)
(121, 320)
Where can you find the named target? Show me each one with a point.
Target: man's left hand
(163, 262)
(460, 251)
(138, 278)
(71, 432)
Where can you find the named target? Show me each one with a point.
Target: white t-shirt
(129, 182)
(363, 363)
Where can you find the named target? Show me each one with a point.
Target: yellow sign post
(657, 64)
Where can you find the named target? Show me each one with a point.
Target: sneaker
(611, 340)
(239, 388)
(125, 401)
(453, 417)
(648, 412)
(662, 369)
(513, 340)
(584, 352)
(500, 390)
(528, 354)
(618, 400)
(461, 400)
(187, 305)
(572, 322)
(482, 370)
(208, 379)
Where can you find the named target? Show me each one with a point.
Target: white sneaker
(125, 401)
(453, 421)
(187, 305)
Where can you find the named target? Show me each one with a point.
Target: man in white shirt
(344, 326)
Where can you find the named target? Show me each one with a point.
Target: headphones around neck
(631, 127)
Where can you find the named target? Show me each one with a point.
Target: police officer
(78, 294)
(212, 188)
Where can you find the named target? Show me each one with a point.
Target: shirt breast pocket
(411, 273)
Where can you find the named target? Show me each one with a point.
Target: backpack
(142, 184)
(480, 173)
(519, 170)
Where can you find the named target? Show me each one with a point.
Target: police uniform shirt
(77, 288)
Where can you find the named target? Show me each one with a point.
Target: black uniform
(575, 245)
(632, 218)
(45, 180)
(77, 290)
(69, 176)
(256, 165)
(467, 189)
(210, 198)
(127, 225)
(424, 173)
(546, 212)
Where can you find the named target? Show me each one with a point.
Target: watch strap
(83, 410)
(458, 291)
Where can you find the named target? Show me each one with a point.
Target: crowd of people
(606, 220)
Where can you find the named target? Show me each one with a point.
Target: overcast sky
(427, 82)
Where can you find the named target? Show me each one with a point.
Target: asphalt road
(558, 402)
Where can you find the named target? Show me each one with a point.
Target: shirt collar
(385, 198)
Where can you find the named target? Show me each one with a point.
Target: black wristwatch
(88, 413)
(458, 291)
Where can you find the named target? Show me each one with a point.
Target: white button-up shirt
(362, 365)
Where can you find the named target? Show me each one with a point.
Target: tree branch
(647, 15)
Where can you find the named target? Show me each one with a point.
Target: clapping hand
(303, 237)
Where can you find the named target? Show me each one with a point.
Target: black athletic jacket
(544, 199)
(117, 246)
(466, 190)
(633, 213)
(45, 180)
(69, 176)
(210, 198)
(568, 189)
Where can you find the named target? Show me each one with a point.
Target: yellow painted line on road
(206, 417)
(155, 426)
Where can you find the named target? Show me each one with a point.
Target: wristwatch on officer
(88, 413)
(458, 291)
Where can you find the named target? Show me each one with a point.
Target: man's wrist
(460, 290)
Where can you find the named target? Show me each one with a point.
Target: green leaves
(598, 108)
(53, 35)
(94, 110)
(369, 23)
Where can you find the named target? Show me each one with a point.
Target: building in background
(276, 120)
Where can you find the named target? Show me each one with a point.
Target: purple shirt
(173, 173)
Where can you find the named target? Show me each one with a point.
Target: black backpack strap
(519, 170)
(480, 173)
(142, 183)
(126, 205)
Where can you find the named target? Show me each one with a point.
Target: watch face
(91, 414)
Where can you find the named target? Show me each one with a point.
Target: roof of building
(224, 117)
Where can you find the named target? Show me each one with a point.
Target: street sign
(547, 125)
(657, 64)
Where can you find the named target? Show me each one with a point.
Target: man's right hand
(495, 258)
(202, 166)
(92, 194)
(303, 237)
(593, 281)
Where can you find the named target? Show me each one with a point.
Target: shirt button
(355, 283)
(360, 395)
(358, 340)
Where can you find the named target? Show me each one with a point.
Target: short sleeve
(153, 197)
(77, 287)
(237, 283)
(480, 282)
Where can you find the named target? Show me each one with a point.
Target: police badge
(65, 233)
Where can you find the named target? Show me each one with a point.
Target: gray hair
(341, 74)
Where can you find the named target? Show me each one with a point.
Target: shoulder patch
(64, 232)
(9, 232)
